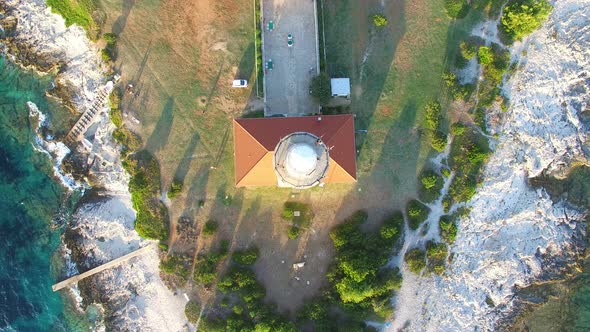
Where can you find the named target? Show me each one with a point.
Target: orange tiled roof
(256, 139)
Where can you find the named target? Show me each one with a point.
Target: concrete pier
(113, 263)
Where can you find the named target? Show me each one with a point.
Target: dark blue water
(30, 201)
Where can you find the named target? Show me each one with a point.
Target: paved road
(287, 84)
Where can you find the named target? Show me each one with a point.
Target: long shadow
(246, 66)
(367, 56)
(161, 132)
(196, 192)
(384, 180)
(187, 158)
(121, 21)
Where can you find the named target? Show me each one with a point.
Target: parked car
(239, 83)
(290, 40)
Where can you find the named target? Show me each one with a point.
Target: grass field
(181, 57)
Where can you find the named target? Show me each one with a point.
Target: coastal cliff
(132, 296)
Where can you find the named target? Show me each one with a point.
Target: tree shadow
(246, 66)
(383, 189)
(365, 53)
(185, 163)
(197, 192)
(159, 137)
(121, 21)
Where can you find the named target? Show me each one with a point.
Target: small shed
(340, 87)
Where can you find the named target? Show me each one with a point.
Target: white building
(340, 87)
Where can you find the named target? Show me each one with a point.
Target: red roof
(255, 138)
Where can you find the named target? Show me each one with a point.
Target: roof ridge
(349, 118)
(258, 162)
(257, 142)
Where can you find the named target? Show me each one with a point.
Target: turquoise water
(30, 203)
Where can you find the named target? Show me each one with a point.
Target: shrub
(431, 184)
(245, 257)
(106, 55)
(152, 216)
(417, 213)
(358, 277)
(72, 12)
(320, 88)
(457, 129)
(392, 227)
(448, 229)
(192, 310)
(206, 266)
(432, 115)
(175, 188)
(468, 50)
(438, 141)
(210, 227)
(415, 258)
(305, 213)
(436, 256)
(485, 55)
(293, 232)
(456, 8)
(522, 17)
(169, 265)
(110, 38)
(379, 20)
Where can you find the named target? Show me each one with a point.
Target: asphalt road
(287, 84)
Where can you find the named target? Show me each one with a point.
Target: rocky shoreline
(132, 296)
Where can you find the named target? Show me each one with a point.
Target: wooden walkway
(88, 116)
(105, 266)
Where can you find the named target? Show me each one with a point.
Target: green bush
(206, 265)
(415, 258)
(392, 227)
(438, 141)
(175, 188)
(170, 264)
(457, 129)
(436, 256)
(305, 213)
(431, 184)
(210, 227)
(73, 12)
(152, 216)
(417, 213)
(448, 229)
(468, 49)
(245, 257)
(456, 8)
(359, 278)
(485, 55)
(432, 115)
(293, 232)
(192, 310)
(320, 88)
(110, 38)
(521, 17)
(379, 20)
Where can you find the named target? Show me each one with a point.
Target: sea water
(34, 208)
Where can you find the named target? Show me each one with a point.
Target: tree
(468, 50)
(210, 227)
(320, 88)
(485, 55)
(245, 257)
(379, 20)
(415, 259)
(523, 17)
